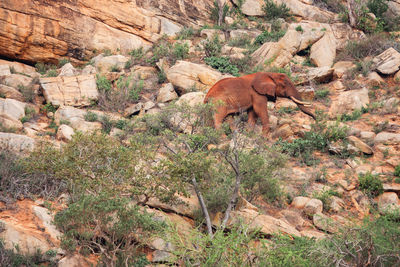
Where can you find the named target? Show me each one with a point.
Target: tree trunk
(203, 207)
(352, 16)
(220, 11)
(232, 201)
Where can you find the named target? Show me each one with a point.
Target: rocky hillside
(107, 151)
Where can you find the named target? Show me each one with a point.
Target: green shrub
(397, 171)
(51, 73)
(274, 11)
(48, 108)
(107, 124)
(214, 14)
(185, 34)
(242, 41)
(213, 47)
(27, 93)
(9, 257)
(103, 84)
(62, 62)
(29, 114)
(160, 49)
(355, 115)
(137, 53)
(91, 116)
(180, 51)
(104, 225)
(321, 94)
(115, 68)
(370, 184)
(267, 36)
(299, 29)
(161, 76)
(325, 196)
(222, 64)
(121, 124)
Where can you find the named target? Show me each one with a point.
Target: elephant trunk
(306, 110)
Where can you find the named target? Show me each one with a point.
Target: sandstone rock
(68, 70)
(186, 206)
(89, 69)
(20, 67)
(242, 203)
(397, 77)
(306, 93)
(10, 124)
(75, 260)
(313, 206)
(389, 202)
(349, 101)
(47, 220)
(4, 70)
(210, 33)
(166, 93)
(230, 50)
(283, 131)
(387, 62)
(15, 80)
(308, 11)
(86, 126)
(374, 79)
(192, 99)
(367, 136)
(300, 202)
(363, 147)
(17, 143)
(44, 31)
(391, 105)
(251, 7)
(387, 138)
(337, 85)
(265, 223)
(322, 74)
(313, 234)
(186, 75)
(325, 223)
(323, 52)
(294, 218)
(241, 33)
(72, 91)
(336, 204)
(12, 108)
(341, 67)
(106, 64)
(68, 113)
(10, 92)
(132, 109)
(394, 187)
(65, 133)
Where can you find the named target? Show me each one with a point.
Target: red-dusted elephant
(251, 93)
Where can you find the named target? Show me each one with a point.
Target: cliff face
(44, 30)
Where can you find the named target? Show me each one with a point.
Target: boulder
(387, 138)
(374, 79)
(75, 260)
(323, 52)
(300, 202)
(210, 33)
(367, 136)
(68, 70)
(388, 203)
(241, 33)
(106, 64)
(4, 70)
(10, 92)
(391, 105)
(336, 204)
(20, 68)
(89, 69)
(325, 223)
(16, 142)
(187, 76)
(72, 91)
(341, 67)
(166, 93)
(16, 80)
(387, 62)
(313, 206)
(65, 133)
(264, 223)
(192, 99)
(363, 147)
(349, 101)
(284, 131)
(294, 218)
(251, 7)
(308, 11)
(321, 74)
(12, 108)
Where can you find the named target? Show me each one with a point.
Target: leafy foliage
(213, 46)
(222, 64)
(274, 11)
(269, 36)
(371, 184)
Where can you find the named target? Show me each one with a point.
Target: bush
(14, 259)
(274, 11)
(180, 51)
(325, 196)
(213, 47)
(397, 171)
(51, 73)
(214, 14)
(103, 84)
(370, 184)
(27, 93)
(91, 116)
(267, 36)
(222, 64)
(185, 34)
(243, 41)
(62, 62)
(321, 94)
(107, 225)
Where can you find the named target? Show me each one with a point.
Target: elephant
(251, 93)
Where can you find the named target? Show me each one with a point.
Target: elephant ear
(264, 85)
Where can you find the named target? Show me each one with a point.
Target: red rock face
(46, 30)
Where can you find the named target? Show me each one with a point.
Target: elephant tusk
(300, 102)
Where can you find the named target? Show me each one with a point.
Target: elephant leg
(219, 117)
(261, 110)
(252, 118)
